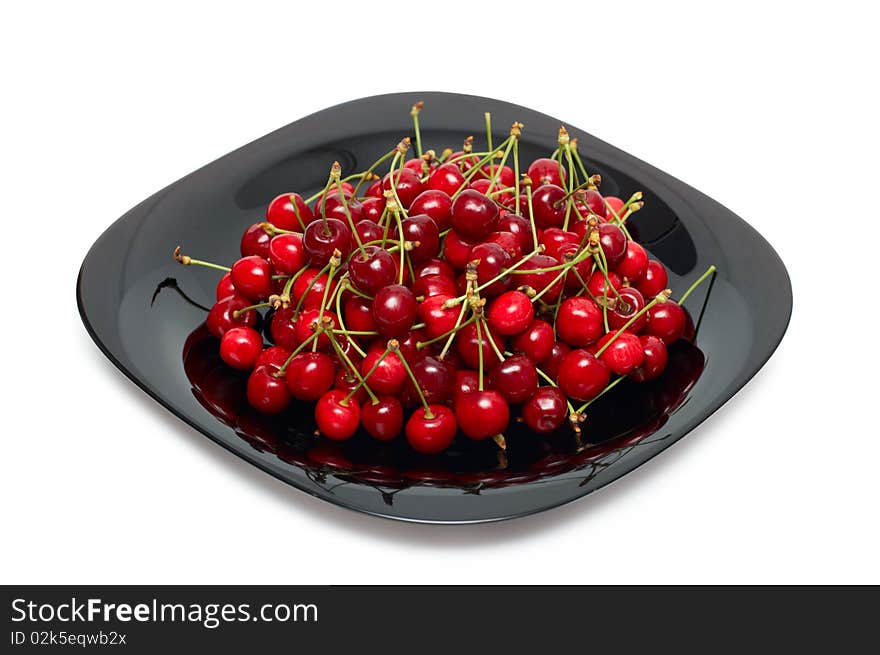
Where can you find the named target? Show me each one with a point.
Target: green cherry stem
(186, 260)
(660, 298)
(414, 112)
(700, 280)
(297, 351)
(341, 354)
(394, 346)
(610, 386)
(369, 373)
(480, 355)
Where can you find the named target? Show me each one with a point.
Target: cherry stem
(288, 286)
(516, 169)
(414, 112)
(562, 274)
(496, 172)
(344, 200)
(661, 298)
(445, 335)
(500, 276)
(478, 166)
(610, 386)
(299, 303)
(571, 180)
(369, 172)
(341, 354)
(491, 340)
(403, 255)
(186, 260)
(488, 118)
(334, 264)
(339, 318)
(296, 352)
(531, 213)
(480, 355)
(239, 312)
(452, 332)
(395, 346)
(372, 370)
(296, 212)
(700, 280)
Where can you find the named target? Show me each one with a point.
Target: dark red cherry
(465, 381)
(596, 283)
(368, 231)
(221, 316)
(337, 418)
(435, 380)
(346, 381)
(515, 378)
(225, 287)
(446, 178)
(509, 243)
(389, 376)
(592, 204)
(504, 174)
(336, 208)
(546, 171)
(373, 208)
(667, 321)
(383, 420)
(309, 375)
(272, 356)
(266, 392)
(435, 267)
(474, 215)
(457, 250)
(285, 215)
(543, 278)
(372, 269)
(492, 261)
(545, 411)
(553, 361)
(394, 310)
(634, 262)
(240, 347)
(286, 253)
(536, 341)
(582, 376)
(613, 242)
(435, 203)
(554, 238)
(624, 353)
(431, 434)
(375, 190)
(255, 241)
(321, 238)
(486, 187)
(630, 303)
(312, 284)
(548, 206)
(579, 321)
(654, 279)
(655, 360)
(307, 321)
(468, 345)
(434, 285)
(511, 313)
(482, 414)
(252, 277)
(437, 318)
(407, 183)
(358, 314)
(421, 229)
(520, 228)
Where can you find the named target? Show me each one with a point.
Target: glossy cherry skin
(337, 418)
(613, 207)
(474, 215)
(634, 262)
(582, 376)
(511, 313)
(371, 269)
(358, 313)
(272, 356)
(282, 213)
(613, 242)
(221, 316)
(554, 238)
(667, 321)
(457, 250)
(394, 311)
(240, 347)
(421, 229)
(536, 341)
(435, 267)
(656, 357)
(309, 375)
(437, 318)
(545, 411)
(520, 228)
(390, 375)
(465, 381)
(482, 414)
(447, 178)
(307, 321)
(434, 285)
(491, 262)
(540, 280)
(546, 171)
(550, 365)
(548, 206)
(486, 187)
(596, 283)
(579, 321)
(624, 353)
(383, 420)
(593, 204)
(311, 284)
(515, 378)
(282, 328)
(434, 203)
(252, 277)
(225, 287)
(321, 238)
(335, 208)
(509, 243)
(435, 380)
(286, 253)
(432, 434)
(654, 279)
(347, 382)
(255, 241)
(407, 184)
(373, 208)
(367, 231)
(266, 392)
(468, 345)
(630, 303)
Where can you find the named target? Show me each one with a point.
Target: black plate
(741, 318)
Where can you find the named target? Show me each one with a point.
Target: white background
(770, 110)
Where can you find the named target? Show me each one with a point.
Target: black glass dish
(142, 309)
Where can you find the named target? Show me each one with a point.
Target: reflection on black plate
(144, 330)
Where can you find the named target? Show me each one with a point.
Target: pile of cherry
(430, 300)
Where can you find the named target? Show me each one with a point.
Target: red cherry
(468, 345)
(506, 176)
(372, 269)
(423, 230)
(407, 184)
(551, 364)
(252, 277)
(482, 185)
(520, 228)
(383, 420)
(614, 205)
(548, 206)
(536, 341)
(630, 303)
(337, 418)
(375, 190)
(240, 347)
(435, 203)
(482, 414)
(667, 321)
(434, 378)
(509, 243)
(492, 261)
(221, 316)
(321, 238)
(255, 241)
(474, 215)
(545, 411)
(457, 250)
(546, 171)
(434, 434)
(286, 253)
(345, 381)
(267, 393)
(282, 328)
(465, 381)
(435, 267)
(438, 319)
(389, 377)
(511, 313)
(446, 178)
(225, 287)
(654, 279)
(582, 376)
(394, 310)
(306, 323)
(309, 375)
(592, 204)
(656, 357)
(540, 280)
(315, 294)
(613, 242)
(596, 283)
(415, 165)
(579, 321)
(368, 231)
(554, 238)
(373, 208)
(515, 378)
(272, 356)
(434, 285)
(335, 208)
(358, 313)
(282, 214)
(624, 354)
(634, 262)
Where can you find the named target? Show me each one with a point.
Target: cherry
(373, 208)
(347, 382)
(432, 430)
(415, 165)
(221, 316)
(434, 378)
(509, 243)
(307, 322)
(474, 215)
(224, 287)
(596, 283)
(435, 203)
(548, 206)
(309, 375)
(423, 230)
(321, 238)
(592, 204)
(272, 356)
(438, 319)
(624, 353)
(446, 178)
(375, 190)
(252, 277)
(468, 345)
(543, 278)
(492, 260)
(315, 294)
(358, 313)
(482, 185)
(655, 360)
(511, 313)
(407, 183)
(520, 228)
(434, 285)
(368, 231)
(282, 214)
(409, 349)
(613, 205)
(457, 250)
(286, 253)
(515, 378)
(667, 321)
(654, 279)
(371, 269)
(582, 376)
(383, 420)
(240, 347)
(506, 176)
(394, 310)
(634, 262)
(551, 364)
(481, 414)
(337, 418)
(266, 392)
(554, 238)
(579, 321)
(545, 411)
(536, 341)
(255, 241)
(389, 376)
(465, 381)
(336, 208)
(546, 171)
(613, 242)
(630, 303)
(435, 267)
